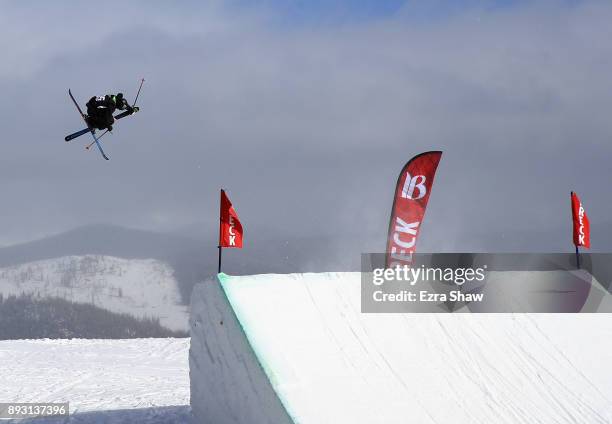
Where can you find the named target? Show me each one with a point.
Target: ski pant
(100, 117)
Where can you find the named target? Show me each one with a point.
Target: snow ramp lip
(230, 383)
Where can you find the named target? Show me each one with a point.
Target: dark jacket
(100, 110)
(99, 105)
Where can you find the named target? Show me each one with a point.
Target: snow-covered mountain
(139, 287)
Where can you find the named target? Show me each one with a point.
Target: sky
(305, 112)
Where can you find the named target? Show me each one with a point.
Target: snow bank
(296, 348)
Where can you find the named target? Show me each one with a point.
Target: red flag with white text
(411, 196)
(230, 228)
(582, 227)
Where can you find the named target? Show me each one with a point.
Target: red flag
(230, 228)
(411, 195)
(582, 228)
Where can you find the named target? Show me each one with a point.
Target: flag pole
(220, 251)
(577, 258)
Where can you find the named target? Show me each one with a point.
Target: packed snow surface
(106, 381)
(139, 287)
(296, 348)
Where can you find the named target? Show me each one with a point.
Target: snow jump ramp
(296, 349)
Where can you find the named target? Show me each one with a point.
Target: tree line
(28, 316)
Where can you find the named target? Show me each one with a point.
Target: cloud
(307, 127)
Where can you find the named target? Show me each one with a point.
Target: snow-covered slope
(105, 381)
(139, 287)
(296, 348)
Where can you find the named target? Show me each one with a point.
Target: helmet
(119, 98)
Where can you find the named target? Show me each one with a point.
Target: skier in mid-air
(100, 115)
(100, 110)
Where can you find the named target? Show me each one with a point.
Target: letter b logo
(412, 183)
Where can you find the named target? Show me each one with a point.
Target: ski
(76, 134)
(91, 130)
(126, 113)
